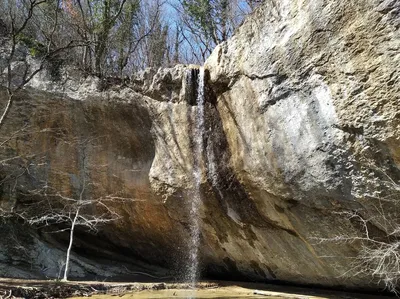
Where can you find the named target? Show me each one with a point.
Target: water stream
(193, 268)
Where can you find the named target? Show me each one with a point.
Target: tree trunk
(71, 240)
(6, 109)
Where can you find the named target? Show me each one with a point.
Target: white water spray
(193, 269)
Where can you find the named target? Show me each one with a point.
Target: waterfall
(193, 269)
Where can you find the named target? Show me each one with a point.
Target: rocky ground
(38, 289)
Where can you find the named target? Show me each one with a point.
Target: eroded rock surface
(301, 127)
(308, 96)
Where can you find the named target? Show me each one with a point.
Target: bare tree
(203, 24)
(58, 210)
(378, 224)
(150, 47)
(117, 33)
(49, 207)
(156, 41)
(52, 207)
(21, 19)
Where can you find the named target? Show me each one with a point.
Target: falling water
(193, 269)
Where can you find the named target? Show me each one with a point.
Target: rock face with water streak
(301, 129)
(308, 94)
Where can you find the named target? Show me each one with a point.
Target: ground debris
(15, 289)
(61, 290)
(51, 291)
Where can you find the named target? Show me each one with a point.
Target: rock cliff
(301, 143)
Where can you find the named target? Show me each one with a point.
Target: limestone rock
(161, 85)
(308, 96)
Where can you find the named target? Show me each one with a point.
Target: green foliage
(36, 49)
(210, 22)
(201, 12)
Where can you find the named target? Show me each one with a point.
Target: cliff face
(301, 142)
(308, 96)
